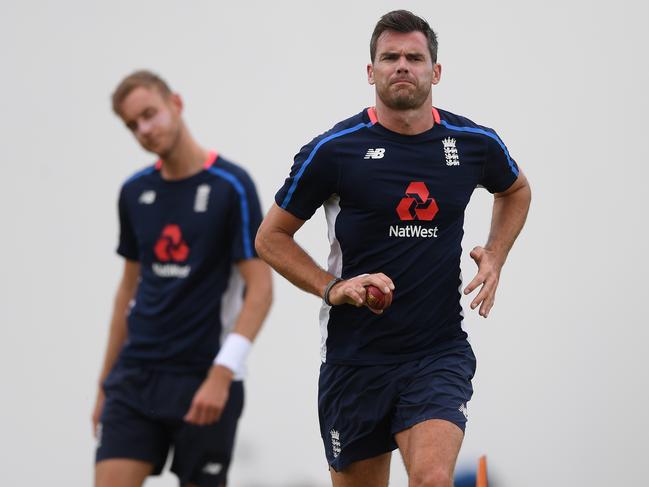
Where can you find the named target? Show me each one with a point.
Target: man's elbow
(525, 193)
(262, 245)
(266, 242)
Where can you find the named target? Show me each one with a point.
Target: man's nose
(402, 66)
(144, 127)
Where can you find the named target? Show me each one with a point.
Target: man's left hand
(488, 275)
(210, 399)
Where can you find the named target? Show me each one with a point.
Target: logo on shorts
(212, 468)
(464, 410)
(171, 247)
(450, 152)
(335, 442)
(98, 432)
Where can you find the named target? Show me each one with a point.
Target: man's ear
(370, 74)
(177, 102)
(437, 73)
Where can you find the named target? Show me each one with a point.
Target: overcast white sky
(561, 382)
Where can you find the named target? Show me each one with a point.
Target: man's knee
(120, 472)
(373, 472)
(431, 477)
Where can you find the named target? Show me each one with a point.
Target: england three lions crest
(335, 442)
(450, 152)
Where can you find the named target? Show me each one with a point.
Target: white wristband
(233, 354)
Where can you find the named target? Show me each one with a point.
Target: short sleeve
(127, 246)
(312, 180)
(499, 170)
(246, 217)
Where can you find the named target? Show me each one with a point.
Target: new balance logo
(464, 410)
(147, 197)
(450, 152)
(211, 468)
(375, 153)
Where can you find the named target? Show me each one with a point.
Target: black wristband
(325, 295)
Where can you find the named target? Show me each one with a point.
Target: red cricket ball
(376, 299)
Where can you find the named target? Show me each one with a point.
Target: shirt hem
(397, 359)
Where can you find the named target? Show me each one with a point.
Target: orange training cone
(481, 481)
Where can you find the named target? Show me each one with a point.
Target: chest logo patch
(171, 246)
(147, 197)
(375, 153)
(417, 205)
(202, 198)
(450, 152)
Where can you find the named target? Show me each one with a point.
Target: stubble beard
(403, 99)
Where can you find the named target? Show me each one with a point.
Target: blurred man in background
(394, 181)
(192, 298)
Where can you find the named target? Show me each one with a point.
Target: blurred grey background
(561, 387)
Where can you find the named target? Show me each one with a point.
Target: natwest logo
(417, 205)
(171, 247)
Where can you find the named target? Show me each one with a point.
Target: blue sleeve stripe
(488, 134)
(245, 215)
(143, 172)
(287, 199)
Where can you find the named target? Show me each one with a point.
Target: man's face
(403, 70)
(153, 118)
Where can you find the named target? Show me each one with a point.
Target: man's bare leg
(373, 472)
(429, 450)
(121, 472)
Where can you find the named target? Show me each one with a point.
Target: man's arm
(118, 331)
(275, 244)
(508, 217)
(210, 399)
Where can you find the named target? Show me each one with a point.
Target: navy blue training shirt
(187, 236)
(395, 204)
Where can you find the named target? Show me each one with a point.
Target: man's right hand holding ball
(371, 290)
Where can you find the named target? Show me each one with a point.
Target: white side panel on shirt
(334, 265)
(231, 303)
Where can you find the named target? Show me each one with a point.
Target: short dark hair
(137, 79)
(404, 21)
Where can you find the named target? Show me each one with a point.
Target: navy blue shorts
(142, 419)
(361, 408)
